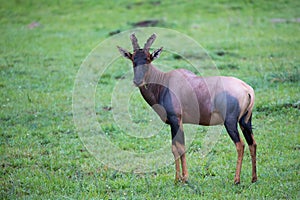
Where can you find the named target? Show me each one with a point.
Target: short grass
(42, 156)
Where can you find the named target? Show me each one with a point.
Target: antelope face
(141, 59)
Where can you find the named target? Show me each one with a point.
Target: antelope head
(141, 58)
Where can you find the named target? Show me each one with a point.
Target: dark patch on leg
(166, 102)
(231, 128)
(173, 121)
(229, 107)
(247, 128)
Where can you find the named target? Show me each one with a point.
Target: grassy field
(43, 44)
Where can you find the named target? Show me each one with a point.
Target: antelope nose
(137, 83)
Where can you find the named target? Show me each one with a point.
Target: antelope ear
(125, 53)
(155, 54)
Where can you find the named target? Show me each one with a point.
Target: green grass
(42, 155)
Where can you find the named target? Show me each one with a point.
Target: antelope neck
(155, 76)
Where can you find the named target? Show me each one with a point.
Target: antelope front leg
(178, 152)
(185, 174)
(178, 147)
(177, 166)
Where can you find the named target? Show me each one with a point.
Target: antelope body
(179, 96)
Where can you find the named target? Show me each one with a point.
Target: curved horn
(134, 41)
(150, 42)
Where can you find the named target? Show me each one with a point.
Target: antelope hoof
(254, 179)
(236, 181)
(184, 179)
(181, 179)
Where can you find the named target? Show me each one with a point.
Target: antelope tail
(250, 106)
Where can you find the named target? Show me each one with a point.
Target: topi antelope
(179, 96)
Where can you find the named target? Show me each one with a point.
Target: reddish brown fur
(196, 100)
